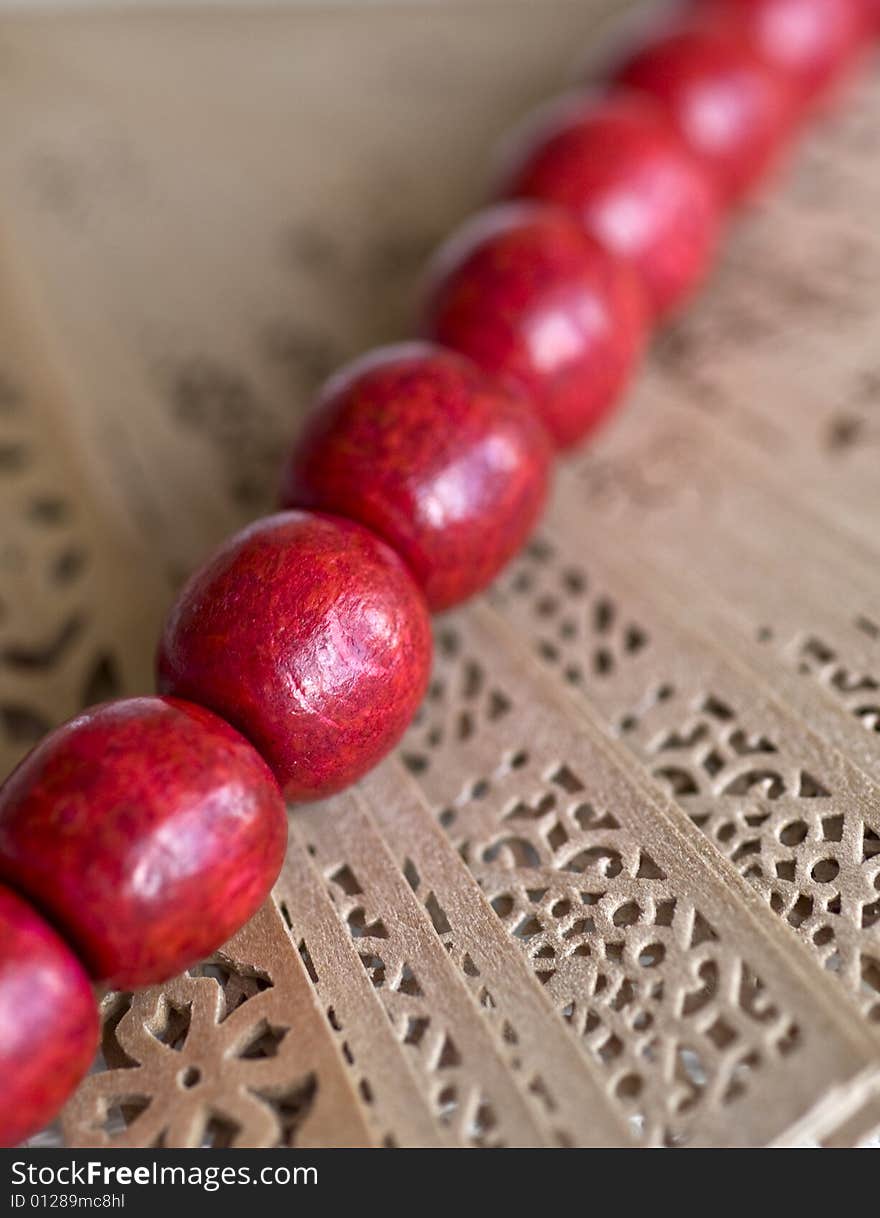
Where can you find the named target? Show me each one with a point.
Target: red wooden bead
(731, 110)
(309, 634)
(149, 830)
(810, 42)
(48, 1021)
(445, 464)
(534, 300)
(617, 162)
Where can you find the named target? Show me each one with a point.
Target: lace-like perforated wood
(634, 962)
(794, 817)
(620, 883)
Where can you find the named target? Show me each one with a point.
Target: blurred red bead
(309, 634)
(445, 464)
(733, 112)
(48, 1021)
(619, 165)
(530, 297)
(809, 42)
(149, 830)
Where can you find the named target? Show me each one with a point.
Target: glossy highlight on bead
(148, 829)
(534, 300)
(48, 1020)
(308, 634)
(732, 111)
(811, 43)
(618, 164)
(445, 464)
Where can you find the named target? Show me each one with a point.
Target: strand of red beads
(139, 836)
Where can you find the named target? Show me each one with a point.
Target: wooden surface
(622, 883)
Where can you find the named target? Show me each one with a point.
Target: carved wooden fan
(621, 885)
